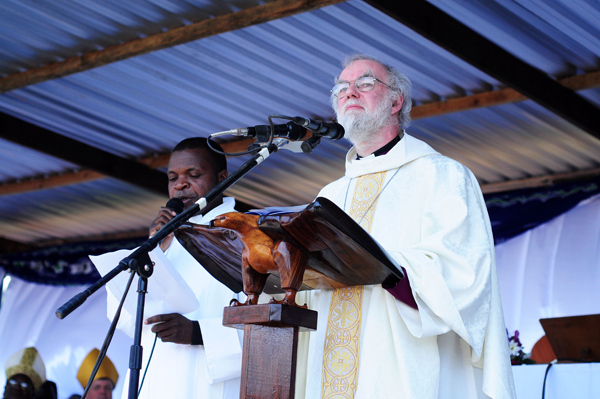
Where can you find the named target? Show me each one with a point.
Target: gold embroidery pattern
(340, 355)
(365, 199)
(340, 359)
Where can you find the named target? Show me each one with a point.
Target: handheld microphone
(330, 130)
(175, 204)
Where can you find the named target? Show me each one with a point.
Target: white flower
(514, 347)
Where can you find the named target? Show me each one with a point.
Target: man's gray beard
(361, 128)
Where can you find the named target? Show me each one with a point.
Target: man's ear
(397, 105)
(222, 175)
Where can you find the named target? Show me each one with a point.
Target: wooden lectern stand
(270, 346)
(317, 247)
(574, 338)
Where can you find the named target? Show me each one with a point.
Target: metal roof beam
(8, 246)
(479, 100)
(497, 97)
(540, 181)
(450, 34)
(43, 140)
(64, 178)
(183, 34)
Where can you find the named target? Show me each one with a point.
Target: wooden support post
(270, 347)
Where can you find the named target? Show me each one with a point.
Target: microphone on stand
(293, 131)
(330, 130)
(290, 131)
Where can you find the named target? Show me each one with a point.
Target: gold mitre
(107, 369)
(29, 362)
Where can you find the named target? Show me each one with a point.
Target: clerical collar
(385, 149)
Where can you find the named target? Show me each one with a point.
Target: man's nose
(181, 183)
(351, 91)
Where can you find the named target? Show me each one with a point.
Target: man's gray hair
(399, 83)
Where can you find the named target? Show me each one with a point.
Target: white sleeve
(168, 292)
(223, 349)
(450, 266)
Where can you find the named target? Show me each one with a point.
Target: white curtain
(27, 318)
(552, 270)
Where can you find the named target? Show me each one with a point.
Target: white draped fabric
(27, 319)
(552, 270)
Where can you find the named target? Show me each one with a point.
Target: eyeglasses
(366, 83)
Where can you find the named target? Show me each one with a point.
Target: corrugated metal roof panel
(18, 162)
(510, 142)
(554, 36)
(76, 211)
(146, 104)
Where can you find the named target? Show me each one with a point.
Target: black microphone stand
(139, 262)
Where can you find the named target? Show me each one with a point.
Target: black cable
(147, 364)
(257, 147)
(108, 339)
(544, 384)
(233, 154)
(556, 361)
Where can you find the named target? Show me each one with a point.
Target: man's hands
(164, 216)
(172, 327)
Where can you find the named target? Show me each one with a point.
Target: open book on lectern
(340, 252)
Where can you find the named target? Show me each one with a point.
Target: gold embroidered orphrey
(340, 356)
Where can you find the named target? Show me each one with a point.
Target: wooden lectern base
(319, 247)
(270, 347)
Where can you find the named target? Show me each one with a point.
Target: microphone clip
(310, 144)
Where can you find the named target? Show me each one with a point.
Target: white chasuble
(431, 219)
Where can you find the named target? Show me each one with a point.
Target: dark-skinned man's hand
(164, 216)
(172, 327)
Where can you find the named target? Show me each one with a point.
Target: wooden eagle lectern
(319, 247)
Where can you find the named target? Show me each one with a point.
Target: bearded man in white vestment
(195, 355)
(440, 332)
